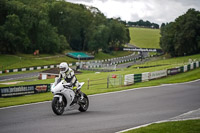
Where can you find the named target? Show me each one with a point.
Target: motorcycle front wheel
(84, 103)
(58, 108)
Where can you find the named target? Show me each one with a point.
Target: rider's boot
(79, 94)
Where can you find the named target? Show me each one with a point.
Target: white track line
(24, 105)
(106, 93)
(145, 125)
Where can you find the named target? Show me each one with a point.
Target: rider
(68, 75)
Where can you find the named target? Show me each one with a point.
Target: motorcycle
(65, 98)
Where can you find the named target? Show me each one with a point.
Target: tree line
(142, 23)
(182, 37)
(53, 26)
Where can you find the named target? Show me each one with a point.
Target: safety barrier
(108, 62)
(145, 76)
(134, 78)
(98, 70)
(157, 74)
(129, 79)
(28, 69)
(23, 90)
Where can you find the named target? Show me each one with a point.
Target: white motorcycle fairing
(66, 99)
(59, 91)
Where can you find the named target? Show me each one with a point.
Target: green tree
(118, 34)
(3, 11)
(99, 39)
(14, 38)
(167, 38)
(187, 32)
(182, 36)
(53, 26)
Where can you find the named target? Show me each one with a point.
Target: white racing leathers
(69, 77)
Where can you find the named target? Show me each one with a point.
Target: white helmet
(63, 67)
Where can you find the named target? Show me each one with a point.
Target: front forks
(60, 99)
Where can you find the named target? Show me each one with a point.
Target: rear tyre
(84, 103)
(58, 108)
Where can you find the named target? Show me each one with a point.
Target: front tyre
(58, 108)
(84, 103)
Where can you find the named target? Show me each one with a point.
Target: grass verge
(188, 126)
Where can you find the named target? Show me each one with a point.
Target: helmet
(63, 67)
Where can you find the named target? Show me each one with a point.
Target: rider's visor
(62, 69)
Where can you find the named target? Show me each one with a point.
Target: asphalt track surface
(18, 76)
(108, 113)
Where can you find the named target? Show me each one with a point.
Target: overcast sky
(157, 11)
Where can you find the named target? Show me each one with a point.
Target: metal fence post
(88, 83)
(108, 82)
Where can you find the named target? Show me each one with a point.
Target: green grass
(145, 37)
(5, 102)
(188, 126)
(114, 54)
(166, 63)
(28, 60)
(13, 61)
(183, 77)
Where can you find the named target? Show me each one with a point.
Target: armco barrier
(194, 65)
(173, 71)
(28, 69)
(185, 68)
(145, 76)
(188, 67)
(197, 64)
(191, 66)
(182, 69)
(134, 78)
(157, 74)
(23, 90)
(137, 78)
(129, 79)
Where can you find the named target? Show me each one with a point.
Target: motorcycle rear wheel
(58, 108)
(84, 104)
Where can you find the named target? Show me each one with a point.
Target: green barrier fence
(188, 67)
(137, 78)
(181, 69)
(194, 65)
